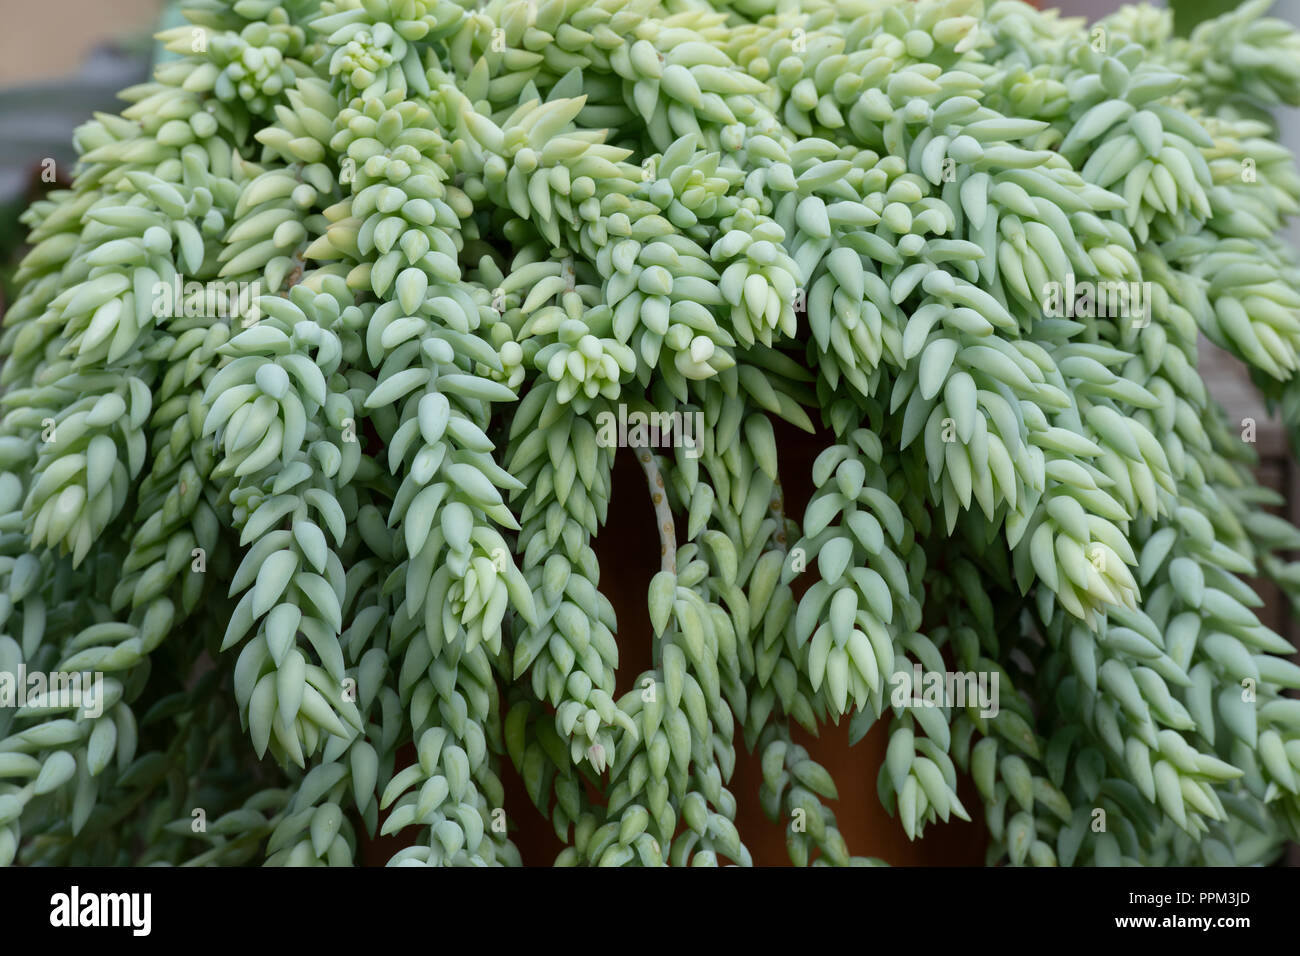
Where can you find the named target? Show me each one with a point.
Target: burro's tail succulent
(314, 386)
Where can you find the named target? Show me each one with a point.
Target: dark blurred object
(1188, 13)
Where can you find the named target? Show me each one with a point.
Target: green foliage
(328, 532)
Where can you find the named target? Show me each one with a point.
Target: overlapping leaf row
(97, 429)
(583, 204)
(719, 613)
(1207, 554)
(916, 796)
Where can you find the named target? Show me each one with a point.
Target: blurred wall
(1289, 118)
(45, 39)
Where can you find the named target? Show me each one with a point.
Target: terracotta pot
(629, 557)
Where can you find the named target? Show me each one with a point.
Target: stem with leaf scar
(663, 521)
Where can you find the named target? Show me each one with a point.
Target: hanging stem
(778, 510)
(667, 529)
(663, 514)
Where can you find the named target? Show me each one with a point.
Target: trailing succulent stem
(306, 434)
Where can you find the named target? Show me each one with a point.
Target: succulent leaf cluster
(301, 440)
